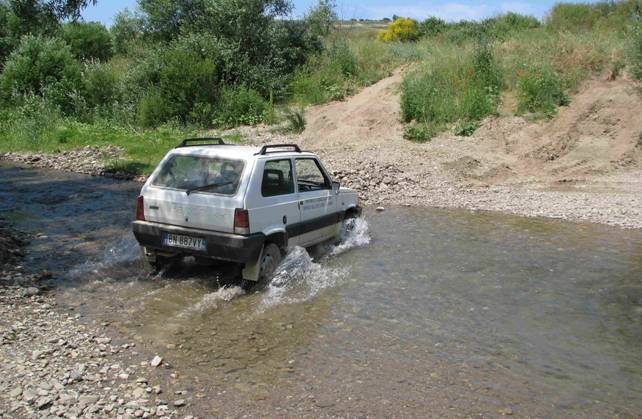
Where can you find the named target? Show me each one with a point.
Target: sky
(105, 10)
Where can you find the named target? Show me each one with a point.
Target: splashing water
(353, 234)
(125, 250)
(212, 300)
(299, 277)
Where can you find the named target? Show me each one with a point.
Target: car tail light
(140, 209)
(241, 221)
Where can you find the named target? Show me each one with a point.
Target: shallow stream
(416, 311)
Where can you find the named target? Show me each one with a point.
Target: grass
(143, 148)
(539, 66)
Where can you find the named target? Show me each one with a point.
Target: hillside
(583, 164)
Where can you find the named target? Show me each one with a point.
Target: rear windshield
(213, 174)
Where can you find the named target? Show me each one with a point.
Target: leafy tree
(88, 40)
(401, 29)
(41, 66)
(322, 17)
(126, 29)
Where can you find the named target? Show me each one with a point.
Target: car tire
(270, 259)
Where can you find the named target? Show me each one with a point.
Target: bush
(540, 90)
(419, 133)
(604, 15)
(88, 41)
(432, 26)
(241, 106)
(455, 86)
(296, 121)
(27, 124)
(153, 109)
(402, 29)
(41, 66)
(183, 77)
(99, 85)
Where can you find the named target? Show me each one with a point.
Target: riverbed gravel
(53, 364)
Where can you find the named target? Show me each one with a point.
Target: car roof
(235, 152)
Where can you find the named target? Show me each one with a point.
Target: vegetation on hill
(176, 67)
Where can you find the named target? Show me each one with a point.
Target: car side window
(277, 178)
(310, 177)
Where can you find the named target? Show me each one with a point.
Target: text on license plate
(187, 242)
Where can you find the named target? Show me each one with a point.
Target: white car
(239, 204)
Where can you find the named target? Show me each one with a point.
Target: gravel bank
(385, 179)
(53, 365)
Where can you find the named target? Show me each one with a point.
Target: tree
(126, 29)
(41, 66)
(88, 40)
(322, 17)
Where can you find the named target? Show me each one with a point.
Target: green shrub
(466, 128)
(432, 26)
(27, 124)
(540, 90)
(88, 41)
(153, 109)
(456, 85)
(100, 85)
(419, 133)
(603, 15)
(296, 121)
(41, 66)
(241, 106)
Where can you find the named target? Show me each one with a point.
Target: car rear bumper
(224, 246)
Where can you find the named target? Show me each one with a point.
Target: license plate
(186, 242)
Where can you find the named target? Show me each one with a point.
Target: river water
(418, 312)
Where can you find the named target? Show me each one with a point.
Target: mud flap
(252, 270)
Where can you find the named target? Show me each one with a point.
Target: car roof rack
(195, 142)
(265, 148)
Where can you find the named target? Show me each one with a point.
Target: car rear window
(216, 175)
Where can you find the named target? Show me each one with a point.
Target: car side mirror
(336, 186)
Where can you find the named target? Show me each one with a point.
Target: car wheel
(269, 261)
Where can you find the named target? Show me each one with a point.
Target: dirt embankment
(584, 165)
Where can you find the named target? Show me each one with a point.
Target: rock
(380, 209)
(43, 402)
(30, 292)
(103, 341)
(16, 392)
(179, 402)
(156, 361)
(506, 411)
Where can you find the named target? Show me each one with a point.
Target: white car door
(317, 204)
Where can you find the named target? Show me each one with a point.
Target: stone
(43, 402)
(16, 392)
(30, 292)
(156, 361)
(179, 402)
(380, 209)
